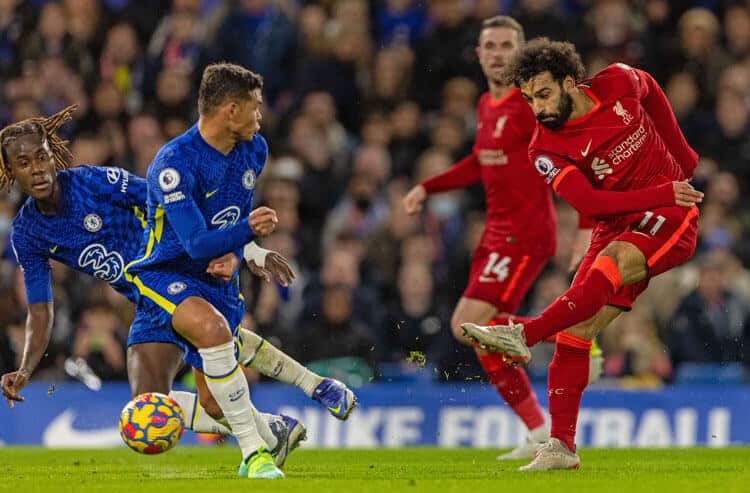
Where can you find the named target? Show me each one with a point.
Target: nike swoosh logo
(61, 433)
(336, 409)
(53, 249)
(585, 152)
(208, 194)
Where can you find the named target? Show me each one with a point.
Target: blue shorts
(160, 292)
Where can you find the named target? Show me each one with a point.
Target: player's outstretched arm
(38, 331)
(462, 174)
(575, 189)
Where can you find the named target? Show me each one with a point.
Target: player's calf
(258, 353)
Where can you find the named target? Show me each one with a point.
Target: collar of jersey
(590, 113)
(497, 102)
(202, 142)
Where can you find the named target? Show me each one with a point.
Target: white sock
(258, 353)
(196, 418)
(540, 434)
(263, 422)
(227, 384)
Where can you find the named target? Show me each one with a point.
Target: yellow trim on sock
(224, 378)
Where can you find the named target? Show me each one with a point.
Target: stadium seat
(710, 373)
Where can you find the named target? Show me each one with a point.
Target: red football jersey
(519, 205)
(628, 141)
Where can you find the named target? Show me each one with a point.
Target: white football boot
(553, 455)
(506, 339)
(524, 451)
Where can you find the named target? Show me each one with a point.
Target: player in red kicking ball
(611, 147)
(520, 231)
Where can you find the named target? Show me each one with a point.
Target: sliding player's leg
(205, 328)
(511, 382)
(258, 353)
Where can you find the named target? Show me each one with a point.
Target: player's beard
(564, 109)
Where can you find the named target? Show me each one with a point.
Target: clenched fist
(263, 221)
(685, 195)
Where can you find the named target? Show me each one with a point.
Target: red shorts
(502, 276)
(666, 236)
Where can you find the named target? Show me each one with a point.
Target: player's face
(549, 99)
(497, 45)
(245, 117)
(33, 165)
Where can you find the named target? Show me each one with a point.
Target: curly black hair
(541, 55)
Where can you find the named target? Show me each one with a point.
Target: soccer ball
(151, 423)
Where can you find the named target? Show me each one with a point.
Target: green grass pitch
(204, 470)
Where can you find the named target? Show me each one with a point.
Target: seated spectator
(711, 323)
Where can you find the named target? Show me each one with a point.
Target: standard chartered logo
(628, 147)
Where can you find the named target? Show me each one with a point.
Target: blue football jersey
(193, 192)
(97, 230)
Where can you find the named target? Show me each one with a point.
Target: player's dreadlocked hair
(541, 55)
(46, 129)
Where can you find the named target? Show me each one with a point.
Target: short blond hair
(504, 21)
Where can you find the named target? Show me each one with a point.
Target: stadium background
(362, 100)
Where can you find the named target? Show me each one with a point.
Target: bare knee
(456, 327)
(200, 323)
(215, 331)
(630, 261)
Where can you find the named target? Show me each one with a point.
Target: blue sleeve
(35, 267)
(175, 191)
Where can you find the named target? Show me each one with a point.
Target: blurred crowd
(363, 99)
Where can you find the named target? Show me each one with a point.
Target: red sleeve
(461, 174)
(575, 189)
(657, 106)
(586, 222)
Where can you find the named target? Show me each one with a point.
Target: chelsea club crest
(92, 223)
(248, 179)
(176, 288)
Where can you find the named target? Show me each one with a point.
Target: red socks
(577, 304)
(567, 378)
(513, 385)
